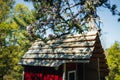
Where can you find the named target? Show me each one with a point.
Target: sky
(110, 26)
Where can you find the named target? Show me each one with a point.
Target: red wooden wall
(42, 73)
(48, 73)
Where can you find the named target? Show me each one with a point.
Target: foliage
(14, 41)
(114, 61)
(4, 11)
(24, 17)
(5, 8)
(10, 56)
(67, 16)
(4, 31)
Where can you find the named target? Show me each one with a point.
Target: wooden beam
(77, 50)
(64, 45)
(74, 36)
(98, 68)
(64, 71)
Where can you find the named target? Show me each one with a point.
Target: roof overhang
(49, 63)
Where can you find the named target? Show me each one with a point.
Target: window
(72, 75)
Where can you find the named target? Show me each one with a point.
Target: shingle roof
(82, 48)
(68, 48)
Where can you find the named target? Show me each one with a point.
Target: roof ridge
(90, 33)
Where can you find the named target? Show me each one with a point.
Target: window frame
(73, 71)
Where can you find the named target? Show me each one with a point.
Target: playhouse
(69, 57)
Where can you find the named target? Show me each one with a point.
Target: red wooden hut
(70, 57)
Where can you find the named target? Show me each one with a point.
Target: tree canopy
(68, 16)
(14, 40)
(113, 54)
(4, 12)
(5, 8)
